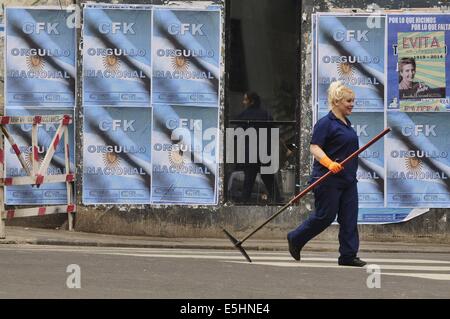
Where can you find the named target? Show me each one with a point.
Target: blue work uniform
(337, 194)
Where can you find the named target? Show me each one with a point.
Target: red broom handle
(320, 180)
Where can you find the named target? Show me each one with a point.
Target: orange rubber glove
(335, 167)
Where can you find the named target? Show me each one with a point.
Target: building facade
(267, 49)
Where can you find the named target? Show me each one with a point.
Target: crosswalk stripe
(420, 275)
(215, 254)
(280, 257)
(169, 254)
(416, 268)
(253, 254)
(323, 265)
(278, 261)
(405, 261)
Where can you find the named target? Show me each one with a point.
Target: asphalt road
(32, 271)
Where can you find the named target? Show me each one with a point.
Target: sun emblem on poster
(413, 164)
(29, 158)
(345, 70)
(176, 158)
(180, 63)
(111, 159)
(111, 62)
(35, 63)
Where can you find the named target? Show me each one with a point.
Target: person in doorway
(333, 140)
(257, 118)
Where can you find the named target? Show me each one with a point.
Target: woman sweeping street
(333, 140)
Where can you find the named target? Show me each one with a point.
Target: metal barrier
(37, 174)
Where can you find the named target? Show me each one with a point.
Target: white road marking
(323, 265)
(212, 253)
(417, 268)
(281, 259)
(420, 275)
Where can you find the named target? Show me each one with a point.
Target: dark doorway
(263, 56)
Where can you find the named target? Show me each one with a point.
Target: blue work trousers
(331, 201)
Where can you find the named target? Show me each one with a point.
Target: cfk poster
(351, 49)
(47, 193)
(418, 163)
(117, 155)
(186, 57)
(184, 155)
(116, 57)
(40, 55)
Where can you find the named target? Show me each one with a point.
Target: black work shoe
(293, 249)
(355, 262)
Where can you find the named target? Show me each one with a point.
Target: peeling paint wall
(192, 221)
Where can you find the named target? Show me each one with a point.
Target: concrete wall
(173, 221)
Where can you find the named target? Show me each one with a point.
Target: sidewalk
(34, 236)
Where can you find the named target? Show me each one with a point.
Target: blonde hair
(337, 91)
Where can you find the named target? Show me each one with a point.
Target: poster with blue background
(184, 155)
(418, 163)
(116, 152)
(116, 57)
(47, 193)
(351, 49)
(186, 57)
(40, 58)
